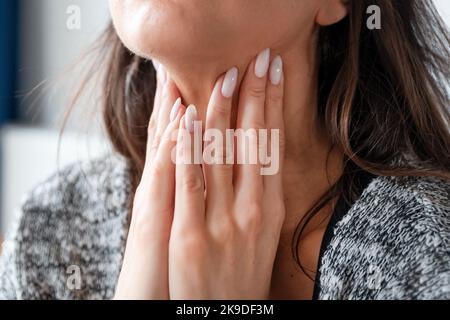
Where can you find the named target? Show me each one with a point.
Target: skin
(185, 243)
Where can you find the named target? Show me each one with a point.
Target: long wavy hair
(383, 95)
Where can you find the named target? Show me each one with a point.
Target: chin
(163, 30)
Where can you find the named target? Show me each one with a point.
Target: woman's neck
(309, 167)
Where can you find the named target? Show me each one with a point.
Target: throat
(306, 182)
(295, 279)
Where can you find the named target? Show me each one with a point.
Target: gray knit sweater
(394, 242)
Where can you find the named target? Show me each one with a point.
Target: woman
(360, 205)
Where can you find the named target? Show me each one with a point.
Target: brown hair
(383, 94)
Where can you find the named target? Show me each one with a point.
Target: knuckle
(221, 110)
(191, 246)
(156, 141)
(144, 231)
(252, 219)
(158, 170)
(225, 231)
(151, 125)
(219, 161)
(274, 99)
(150, 224)
(255, 91)
(192, 183)
(166, 138)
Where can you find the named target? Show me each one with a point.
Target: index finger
(251, 119)
(161, 78)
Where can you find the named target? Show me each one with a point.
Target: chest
(291, 280)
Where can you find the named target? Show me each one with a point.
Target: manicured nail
(162, 73)
(155, 64)
(175, 109)
(262, 63)
(229, 82)
(191, 117)
(276, 70)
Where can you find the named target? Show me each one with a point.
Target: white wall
(29, 152)
(31, 155)
(48, 47)
(444, 8)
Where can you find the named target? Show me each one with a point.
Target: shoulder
(418, 208)
(428, 194)
(414, 203)
(83, 188)
(394, 242)
(76, 217)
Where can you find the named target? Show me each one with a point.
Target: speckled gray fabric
(394, 243)
(74, 223)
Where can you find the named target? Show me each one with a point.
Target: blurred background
(40, 40)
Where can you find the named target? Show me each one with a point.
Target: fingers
(253, 93)
(251, 118)
(163, 172)
(159, 175)
(163, 166)
(189, 190)
(153, 205)
(169, 95)
(275, 125)
(169, 100)
(161, 78)
(219, 169)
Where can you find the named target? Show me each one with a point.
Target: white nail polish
(229, 82)
(162, 73)
(262, 63)
(175, 109)
(155, 64)
(191, 117)
(276, 70)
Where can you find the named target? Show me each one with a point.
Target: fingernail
(162, 73)
(155, 64)
(229, 82)
(276, 70)
(262, 63)
(191, 117)
(175, 109)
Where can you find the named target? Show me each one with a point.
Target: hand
(228, 219)
(144, 273)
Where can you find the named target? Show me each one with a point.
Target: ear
(331, 11)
